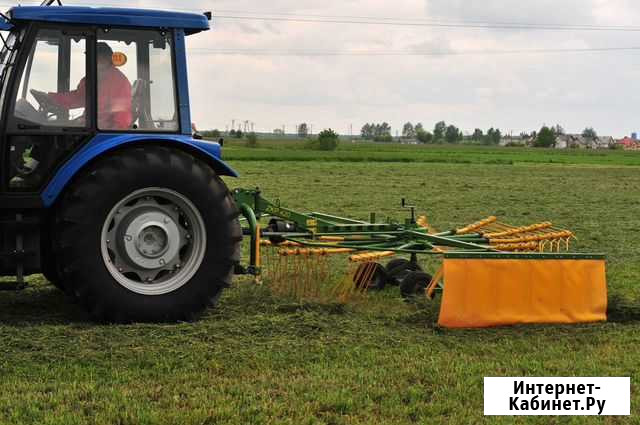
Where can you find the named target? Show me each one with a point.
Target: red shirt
(114, 99)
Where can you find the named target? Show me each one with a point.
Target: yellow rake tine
(434, 283)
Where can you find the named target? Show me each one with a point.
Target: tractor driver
(114, 93)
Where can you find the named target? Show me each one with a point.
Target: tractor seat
(140, 112)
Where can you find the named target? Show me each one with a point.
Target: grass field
(259, 359)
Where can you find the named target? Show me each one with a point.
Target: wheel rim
(153, 241)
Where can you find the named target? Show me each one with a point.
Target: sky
(512, 91)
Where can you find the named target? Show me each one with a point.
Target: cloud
(508, 11)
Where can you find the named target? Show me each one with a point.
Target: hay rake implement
(495, 273)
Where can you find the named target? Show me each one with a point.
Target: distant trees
(211, 134)
(438, 131)
(252, 140)
(493, 137)
(408, 131)
(477, 135)
(453, 134)
(546, 137)
(424, 136)
(558, 130)
(303, 130)
(367, 131)
(327, 140)
(377, 132)
(589, 133)
(238, 134)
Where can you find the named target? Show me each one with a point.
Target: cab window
(136, 88)
(52, 88)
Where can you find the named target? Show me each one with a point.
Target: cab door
(51, 112)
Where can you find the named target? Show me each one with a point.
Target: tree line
(441, 133)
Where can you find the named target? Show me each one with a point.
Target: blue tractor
(104, 187)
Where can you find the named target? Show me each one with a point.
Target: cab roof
(112, 16)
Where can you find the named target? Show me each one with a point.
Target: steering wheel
(45, 103)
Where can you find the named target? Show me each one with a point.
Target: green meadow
(263, 359)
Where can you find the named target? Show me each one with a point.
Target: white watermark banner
(557, 396)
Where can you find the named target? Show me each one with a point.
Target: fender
(208, 151)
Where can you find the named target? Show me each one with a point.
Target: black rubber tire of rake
(398, 268)
(415, 283)
(376, 280)
(87, 202)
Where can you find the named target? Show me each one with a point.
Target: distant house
(628, 143)
(509, 140)
(565, 141)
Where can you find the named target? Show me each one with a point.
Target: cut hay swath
(491, 273)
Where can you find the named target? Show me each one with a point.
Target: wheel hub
(153, 241)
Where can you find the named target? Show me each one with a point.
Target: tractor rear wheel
(147, 235)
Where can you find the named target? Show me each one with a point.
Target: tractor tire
(414, 284)
(371, 280)
(49, 267)
(51, 274)
(398, 269)
(147, 234)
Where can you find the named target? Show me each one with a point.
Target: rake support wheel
(398, 269)
(370, 276)
(414, 283)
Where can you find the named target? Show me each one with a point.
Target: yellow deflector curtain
(494, 292)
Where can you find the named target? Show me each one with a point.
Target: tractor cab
(104, 189)
(71, 73)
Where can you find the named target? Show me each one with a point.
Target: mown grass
(260, 359)
(292, 150)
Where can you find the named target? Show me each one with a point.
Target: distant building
(566, 141)
(634, 136)
(628, 143)
(509, 140)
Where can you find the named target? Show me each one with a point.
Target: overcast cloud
(515, 92)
